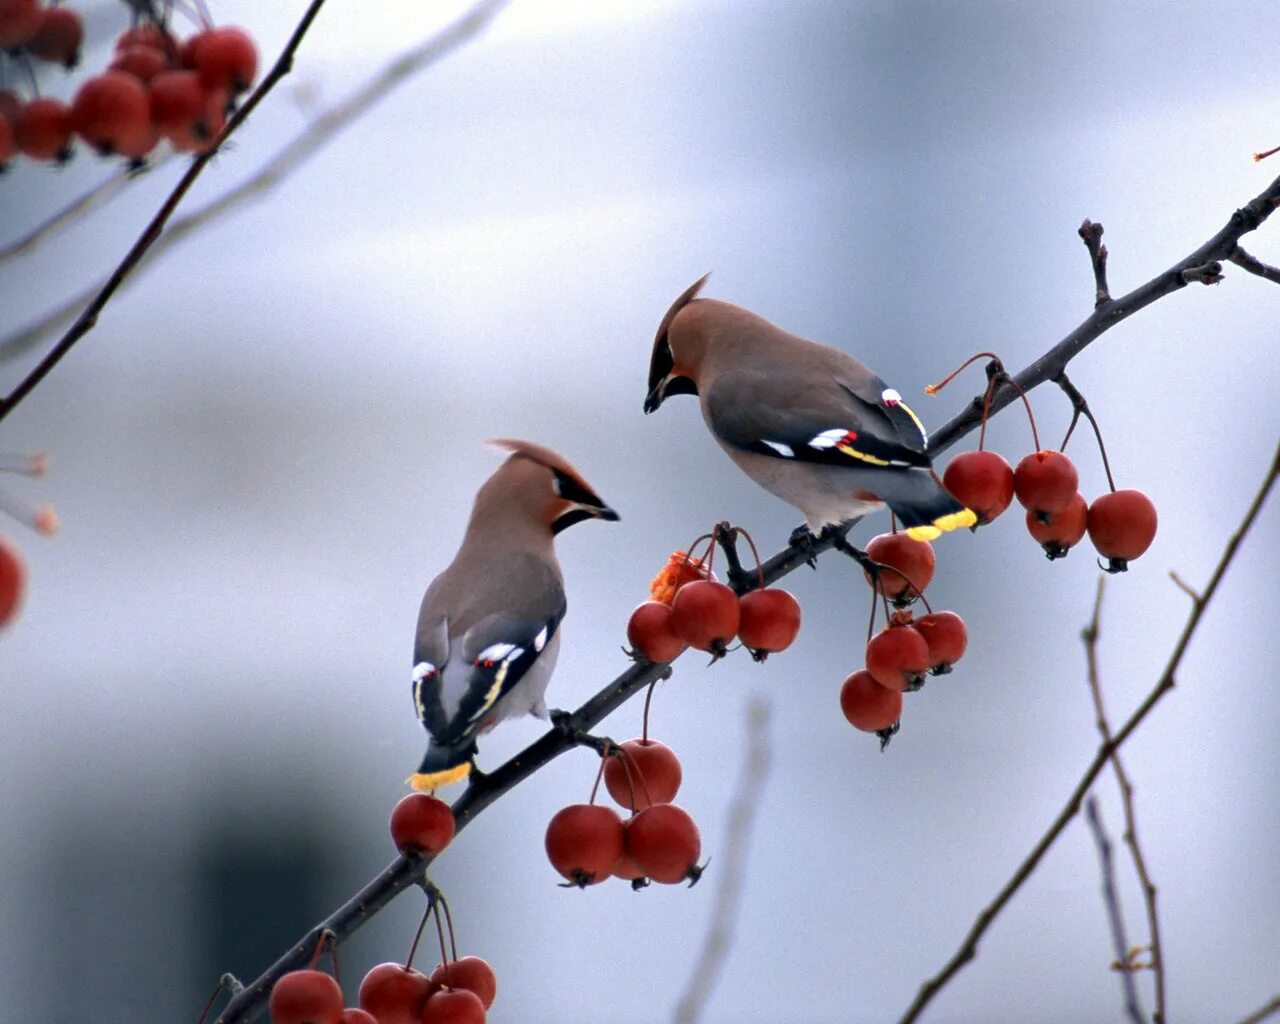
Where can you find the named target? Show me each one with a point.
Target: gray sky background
(270, 444)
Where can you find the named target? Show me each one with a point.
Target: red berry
(111, 112)
(305, 997)
(470, 972)
(43, 129)
(10, 106)
(1063, 530)
(59, 36)
(13, 580)
(646, 768)
(143, 62)
(147, 35)
(983, 481)
(898, 657)
(768, 621)
(584, 842)
(19, 22)
(945, 636)
(627, 869)
(225, 59)
(183, 111)
(868, 705)
(1122, 526)
(355, 1015)
(1045, 482)
(7, 147)
(421, 825)
(394, 994)
(453, 1006)
(705, 615)
(664, 841)
(649, 632)
(914, 561)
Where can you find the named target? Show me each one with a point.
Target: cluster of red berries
(689, 607)
(908, 648)
(659, 842)
(459, 991)
(157, 87)
(1121, 524)
(52, 34)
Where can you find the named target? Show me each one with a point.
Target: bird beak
(607, 514)
(581, 513)
(655, 397)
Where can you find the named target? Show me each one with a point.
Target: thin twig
(969, 947)
(1089, 635)
(1104, 317)
(1115, 915)
(404, 872)
(86, 321)
(731, 875)
(1185, 587)
(1245, 261)
(304, 145)
(1092, 235)
(1261, 1014)
(77, 209)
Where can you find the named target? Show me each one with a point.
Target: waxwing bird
(805, 421)
(488, 630)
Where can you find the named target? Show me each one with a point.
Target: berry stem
(433, 894)
(648, 697)
(448, 917)
(599, 775)
(880, 567)
(995, 372)
(222, 983)
(933, 389)
(444, 955)
(1079, 405)
(325, 936)
(626, 768)
(1265, 153)
(755, 553)
(871, 624)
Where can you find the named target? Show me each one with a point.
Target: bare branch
(1092, 235)
(1104, 317)
(1254, 265)
(1186, 587)
(969, 947)
(287, 160)
(732, 866)
(1114, 913)
(1090, 637)
(87, 319)
(1261, 1014)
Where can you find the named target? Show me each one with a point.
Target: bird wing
(781, 413)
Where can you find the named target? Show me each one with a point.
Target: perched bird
(805, 421)
(488, 630)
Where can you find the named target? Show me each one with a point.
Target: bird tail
(442, 764)
(926, 508)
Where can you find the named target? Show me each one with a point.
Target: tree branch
(1090, 636)
(86, 321)
(1115, 915)
(969, 947)
(1254, 265)
(1198, 266)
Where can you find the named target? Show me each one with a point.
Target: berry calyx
(981, 480)
(395, 994)
(913, 560)
(1063, 529)
(472, 973)
(946, 638)
(584, 842)
(642, 773)
(225, 58)
(421, 825)
(650, 633)
(768, 621)
(1122, 526)
(305, 997)
(898, 657)
(867, 705)
(664, 842)
(705, 615)
(1045, 482)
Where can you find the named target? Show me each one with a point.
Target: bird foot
(805, 541)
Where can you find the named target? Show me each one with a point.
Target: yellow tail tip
(425, 782)
(952, 521)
